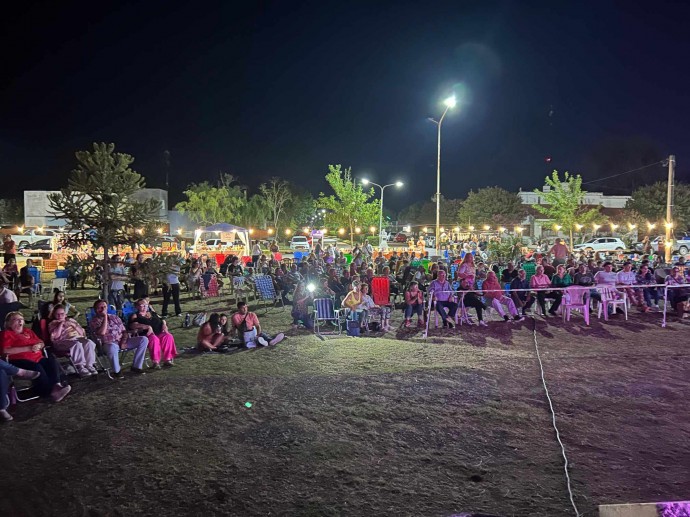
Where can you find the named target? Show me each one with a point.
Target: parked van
(300, 242)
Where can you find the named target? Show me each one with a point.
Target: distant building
(537, 226)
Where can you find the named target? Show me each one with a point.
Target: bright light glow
(668, 225)
(519, 229)
(399, 184)
(160, 231)
(358, 230)
(614, 226)
(501, 229)
(217, 233)
(288, 231)
(364, 181)
(425, 229)
(323, 210)
(251, 230)
(457, 229)
(669, 244)
(578, 226)
(442, 229)
(596, 226)
(305, 229)
(632, 226)
(407, 228)
(651, 226)
(179, 231)
(324, 231)
(270, 231)
(311, 288)
(20, 229)
(341, 231)
(372, 229)
(471, 228)
(140, 231)
(487, 227)
(450, 101)
(557, 227)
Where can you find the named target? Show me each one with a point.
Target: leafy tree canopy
(208, 204)
(650, 203)
(491, 205)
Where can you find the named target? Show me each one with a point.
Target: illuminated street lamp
(382, 187)
(450, 102)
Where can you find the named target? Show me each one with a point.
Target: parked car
(681, 244)
(300, 242)
(41, 245)
(215, 243)
(400, 237)
(601, 244)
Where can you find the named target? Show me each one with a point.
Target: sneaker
(85, 373)
(169, 364)
(262, 341)
(518, 318)
(483, 324)
(118, 375)
(138, 371)
(156, 366)
(60, 393)
(251, 344)
(28, 374)
(506, 319)
(93, 370)
(450, 323)
(5, 416)
(277, 339)
(407, 324)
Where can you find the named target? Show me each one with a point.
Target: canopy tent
(227, 232)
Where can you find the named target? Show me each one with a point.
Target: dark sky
(284, 88)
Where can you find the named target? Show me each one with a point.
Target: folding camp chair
(56, 283)
(325, 313)
(208, 286)
(266, 292)
(101, 358)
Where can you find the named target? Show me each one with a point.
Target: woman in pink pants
(161, 342)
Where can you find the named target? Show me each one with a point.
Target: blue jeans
(441, 309)
(137, 343)
(6, 371)
(415, 308)
(50, 373)
(650, 293)
(304, 317)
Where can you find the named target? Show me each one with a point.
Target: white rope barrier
(553, 422)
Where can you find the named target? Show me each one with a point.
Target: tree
(650, 203)
(207, 204)
(301, 211)
(491, 205)
(254, 212)
(98, 199)
(424, 212)
(563, 202)
(351, 206)
(11, 211)
(277, 194)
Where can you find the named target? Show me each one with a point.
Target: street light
(450, 102)
(398, 184)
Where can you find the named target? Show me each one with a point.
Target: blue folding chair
(325, 313)
(297, 256)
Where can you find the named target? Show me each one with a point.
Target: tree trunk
(571, 239)
(106, 273)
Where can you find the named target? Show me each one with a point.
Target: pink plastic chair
(575, 298)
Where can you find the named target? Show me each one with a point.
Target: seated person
(509, 273)
(11, 272)
(113, 334)
(67, 336)
(211, 336)
(494, 294)
(26, 279)
(414, 304)
(235, 268)
(650, 294)
(300, 306)
(561, 278)
(541, 283)
(677, 296)
(369, 307)
(147, 323)
(8, 370)
(625, 278)
(6, 294)
(24, 349)
(353, 302)
(471, 299)
(59, 298)
(549, 270)
(194, 276)
(443, 294)
(249, 328)
(522, 297)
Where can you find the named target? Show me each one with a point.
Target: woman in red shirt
(25, 350)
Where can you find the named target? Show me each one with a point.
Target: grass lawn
(390, 425)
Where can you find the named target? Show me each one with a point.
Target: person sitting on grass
(8, 370)
(113, 334)
(249, 328)
(211, 336)
(161, 342)
(369, 307)
(68, 336)
(24, 349)
(414, 304)
(494, 294)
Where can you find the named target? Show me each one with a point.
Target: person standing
(116, 293)
(560, 252)
(256, 254)
(9, 248)
(171, 288)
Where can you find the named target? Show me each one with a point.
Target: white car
(601, 244)
(299, 242)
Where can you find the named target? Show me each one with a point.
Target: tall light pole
(450, 102)
(382, 187)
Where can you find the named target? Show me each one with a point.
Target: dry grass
(374, 426)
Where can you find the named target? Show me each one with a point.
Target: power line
(626, 172)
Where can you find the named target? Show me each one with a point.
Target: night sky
(259, 89)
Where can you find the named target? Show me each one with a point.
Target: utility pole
(669, 208)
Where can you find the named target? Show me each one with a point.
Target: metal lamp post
(382, 187)
(450, 102)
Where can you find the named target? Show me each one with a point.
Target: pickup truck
(29, 237)
(681, 244)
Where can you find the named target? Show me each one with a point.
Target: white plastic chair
(575, 298)
(610, 296)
